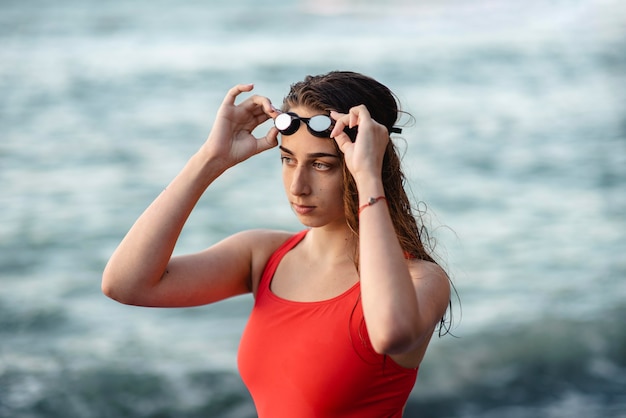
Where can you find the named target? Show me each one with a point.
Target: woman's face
(312, 176)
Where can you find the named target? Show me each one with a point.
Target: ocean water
(517, 147)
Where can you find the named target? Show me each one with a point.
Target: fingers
(345, 124)
(266, 105)
(232, 94)
(256, 104)
(338, 133)
(356, 116)
(370, 133)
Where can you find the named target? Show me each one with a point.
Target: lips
(302, 209)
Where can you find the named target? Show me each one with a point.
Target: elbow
(113, 290)
(388, 347)
(397, 340)
(114, 293)
(391, 344)
(107, 285)
(110, 290)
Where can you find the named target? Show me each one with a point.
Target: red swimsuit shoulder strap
(274, 260)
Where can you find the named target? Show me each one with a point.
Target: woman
(344, 310)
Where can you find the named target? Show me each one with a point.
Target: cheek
(286, 180)
(337, 190)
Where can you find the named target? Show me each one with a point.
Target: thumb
(268, 141)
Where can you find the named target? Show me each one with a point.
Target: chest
(310, 282)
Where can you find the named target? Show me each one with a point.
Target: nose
(300, 185)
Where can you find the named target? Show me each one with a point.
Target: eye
(285, 159)
(321, 166)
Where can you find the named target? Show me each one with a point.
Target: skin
(403, 300)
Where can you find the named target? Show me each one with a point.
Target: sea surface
(516, 149)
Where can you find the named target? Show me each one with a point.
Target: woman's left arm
(403, 300)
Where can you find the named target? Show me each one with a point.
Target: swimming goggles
(319, 125)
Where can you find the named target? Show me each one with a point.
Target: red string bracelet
(371, 201)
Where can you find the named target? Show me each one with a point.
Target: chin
(312, 222)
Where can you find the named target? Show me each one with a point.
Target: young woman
(344, 310)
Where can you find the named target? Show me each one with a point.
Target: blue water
(518, 149)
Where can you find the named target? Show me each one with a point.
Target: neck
(331, 245)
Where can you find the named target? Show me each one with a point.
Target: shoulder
(423, 269)
(260, 245)
(261, 240)
(430, 280)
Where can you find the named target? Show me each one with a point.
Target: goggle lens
(318, 125)
(283, 121)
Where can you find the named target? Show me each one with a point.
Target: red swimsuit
(314, 359)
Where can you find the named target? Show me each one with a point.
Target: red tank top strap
(274, 260)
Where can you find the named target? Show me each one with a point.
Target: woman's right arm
(142, 271)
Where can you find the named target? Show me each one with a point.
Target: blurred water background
(518, 149)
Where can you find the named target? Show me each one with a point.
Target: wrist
(369, 187)
(205, 169)
(371, 202)
(209, 162)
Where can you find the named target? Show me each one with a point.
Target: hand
(365, 154)
(231, 140)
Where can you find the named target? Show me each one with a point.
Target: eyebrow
(311, 155)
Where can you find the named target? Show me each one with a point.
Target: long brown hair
(340, 91)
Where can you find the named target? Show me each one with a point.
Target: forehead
(305, 112)
(303, 143)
